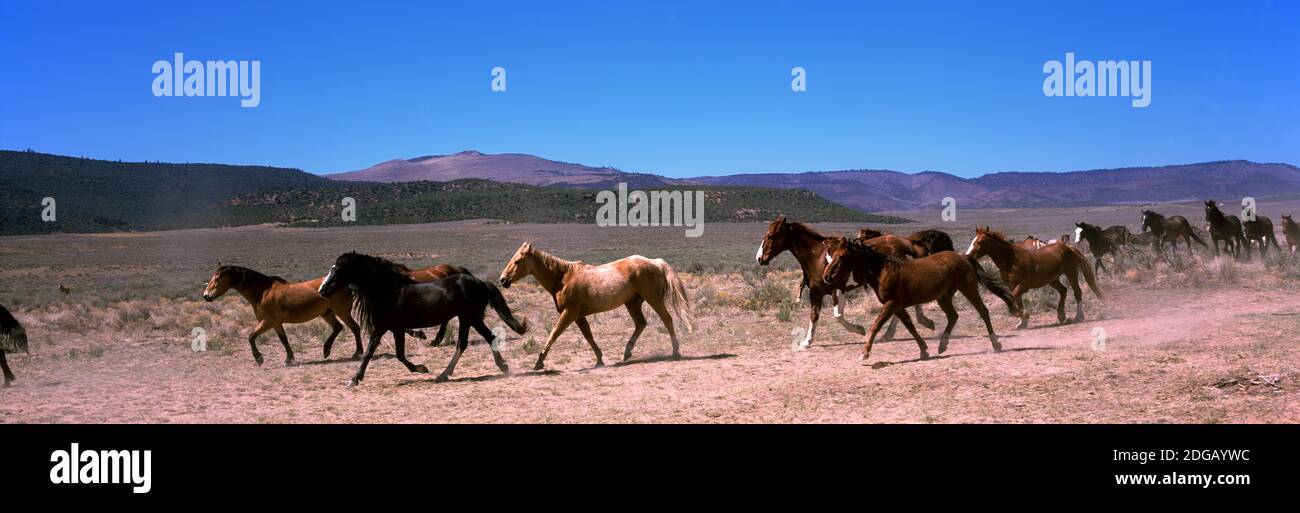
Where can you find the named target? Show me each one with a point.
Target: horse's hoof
(929, 324)
(943, 346)
(600, 363)
(258, 359)
(505, 369)
(356, 356)
(290, 363)
(421, 369)
(352, 383)
(677, 356)
(442, 378)
(627, 356)
(863, 357)
(925, 355)
(539, 366)
(1078, 318)
(326, 355)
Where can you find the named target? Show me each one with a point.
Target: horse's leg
(284, 340)
(399, 342)
(442, 332)
(945, 304)
(657, 304)
(838, 310)
(889, 332)
(907, 323)
(365, 360)
(1060, 305)
(921, 318)
(1016, 294)
(814, 313)
(461, 344)
(1073, 276)
(638, 324)
(4, 364)
(566, 318)
(355, 329)
(261, 328)
(591, 340)
(972, 294)
(886, 311)
(491, 339)
(335, 328)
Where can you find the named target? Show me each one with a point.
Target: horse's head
(1148, 220)
(1286, 219)
(345, 272)
(776, 241)
(221, 281)
(836, 249)
(1081, 228)
(868, 233)
(519, 266)
(985, 240)
(1212, 209)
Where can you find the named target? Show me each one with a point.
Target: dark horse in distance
(1226, 228)
(1169, 229)
(1111, 241)
(389, 300)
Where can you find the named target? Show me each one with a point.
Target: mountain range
(883, 190)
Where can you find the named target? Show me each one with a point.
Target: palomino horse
(580, 289)
(806, 245)
(1111, 241)
(1169, 229)
(1224, 228)
(13, 338)
(1260, 230)
(1026, 269)
(901, 283)
(389, 300)
(277, 302)
(1292, 232)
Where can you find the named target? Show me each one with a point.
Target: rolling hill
(884, 190)
(105, 196)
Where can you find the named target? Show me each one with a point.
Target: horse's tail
(1196, 238)
(1086, 269)
(498, 303)
(992, 282)
(675, 295)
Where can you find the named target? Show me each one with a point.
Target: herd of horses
(378, 296)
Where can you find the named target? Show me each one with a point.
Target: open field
(1189, 340)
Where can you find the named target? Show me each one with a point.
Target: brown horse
(1292, 232)
(277, 302)
(916, 245)
(580, 289)
(1026, 269)
(13, 338)
(806, 245)
(901, 283)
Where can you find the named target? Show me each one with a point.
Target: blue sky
(676, 88)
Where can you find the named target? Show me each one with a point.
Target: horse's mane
(378, 281)
(998, 235)
(239, 274)
(893, 261)
(552, 262)
(802, 229)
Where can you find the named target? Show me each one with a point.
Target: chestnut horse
(13, 338)
(900, 283)
(1026, 269)
(277, 302)
(916, 245)
(580, 289)
(806, 245)
(1169, 229)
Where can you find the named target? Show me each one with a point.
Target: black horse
(1260, 230)
(1111, 241)
(13, 338)
(1224, 228)
(1169, 229)
(388, 300)
(1292, 232)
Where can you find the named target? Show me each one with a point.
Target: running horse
(1292, 232)
(1259, 230)
(580, 289)
(388, 300)
(1169, 229)
(916, 245)
(900, 283)
(1224, 228)
(1111, 241)
(1026, 269)
(13, 338)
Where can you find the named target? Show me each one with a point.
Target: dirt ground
(1217, 347)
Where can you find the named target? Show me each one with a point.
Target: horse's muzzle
(505, 283)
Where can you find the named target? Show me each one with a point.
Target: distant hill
(885, 190)
(425, 201)
(100, 195)
(105, 196)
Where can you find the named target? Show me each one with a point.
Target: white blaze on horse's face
(329, 278)
(1078, 233)
(758, 257)
(828, 258)
(971, 249)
